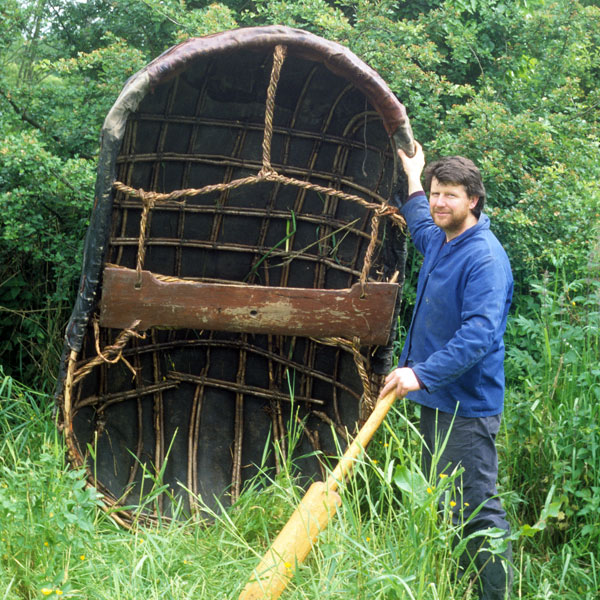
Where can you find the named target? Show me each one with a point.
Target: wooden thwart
(307, 312)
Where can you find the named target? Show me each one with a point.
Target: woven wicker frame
(196, 408)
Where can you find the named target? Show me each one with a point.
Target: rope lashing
(148, 204)
(111, 354)
(369, 253)
(149, 199)
(383, 209)
(359, 361)
(353, 346)
(266, 173)
(278, 58)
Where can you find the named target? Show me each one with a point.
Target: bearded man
(452, 359)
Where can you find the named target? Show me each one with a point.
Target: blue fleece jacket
(455, 342)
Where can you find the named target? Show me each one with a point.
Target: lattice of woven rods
(302, 165)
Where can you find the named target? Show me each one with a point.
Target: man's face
(450, 207)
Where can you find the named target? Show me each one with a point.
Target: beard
(453, 221)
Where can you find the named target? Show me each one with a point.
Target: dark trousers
(470, 443)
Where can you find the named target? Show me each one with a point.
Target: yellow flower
(58, 592)
(45, 543)
(375, 461)
(443, 475)
(467, 504)
(452, 503)
(368, 539)
(429, 490)
(46, 591)
(385, 445)
(82, 557)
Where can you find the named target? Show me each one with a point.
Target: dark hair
(459, 171)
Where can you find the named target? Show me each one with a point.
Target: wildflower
(368, 539)
(375, 461)
(429, 490)
(452, 504)
(45, 543)
(443, 475)
(467, 504)
(46, 591)
(58, 592)
(82, 557)
(385, 445)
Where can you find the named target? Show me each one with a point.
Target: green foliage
(388, 539)
(80, 27)
(532, 128)
(47, 512)
(313, 15)
(552, 418)
(542, 194)
(12, 18)
(73, 95)
(43, 211)
(193, 19)
(44, 217)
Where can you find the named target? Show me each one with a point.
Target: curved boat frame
(238, 282)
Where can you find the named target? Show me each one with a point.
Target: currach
(242, 270)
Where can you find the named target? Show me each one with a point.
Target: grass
(388, 539)
(385, 542)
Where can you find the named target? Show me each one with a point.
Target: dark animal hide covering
(202, 410)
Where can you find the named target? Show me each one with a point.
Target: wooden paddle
(319, 504)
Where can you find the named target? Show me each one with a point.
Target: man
(452, 360)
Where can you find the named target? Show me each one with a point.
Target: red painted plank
(246, 308)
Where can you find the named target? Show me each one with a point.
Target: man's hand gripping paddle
(319, 504)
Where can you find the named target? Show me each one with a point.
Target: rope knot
(386, 210)
(267, 173)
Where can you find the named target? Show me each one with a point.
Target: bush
(45, 208)
(553, 413)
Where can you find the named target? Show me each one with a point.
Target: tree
(513, 85)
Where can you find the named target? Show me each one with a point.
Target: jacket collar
(481, 225)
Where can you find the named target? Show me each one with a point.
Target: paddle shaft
(363, 437)
(319, 504)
